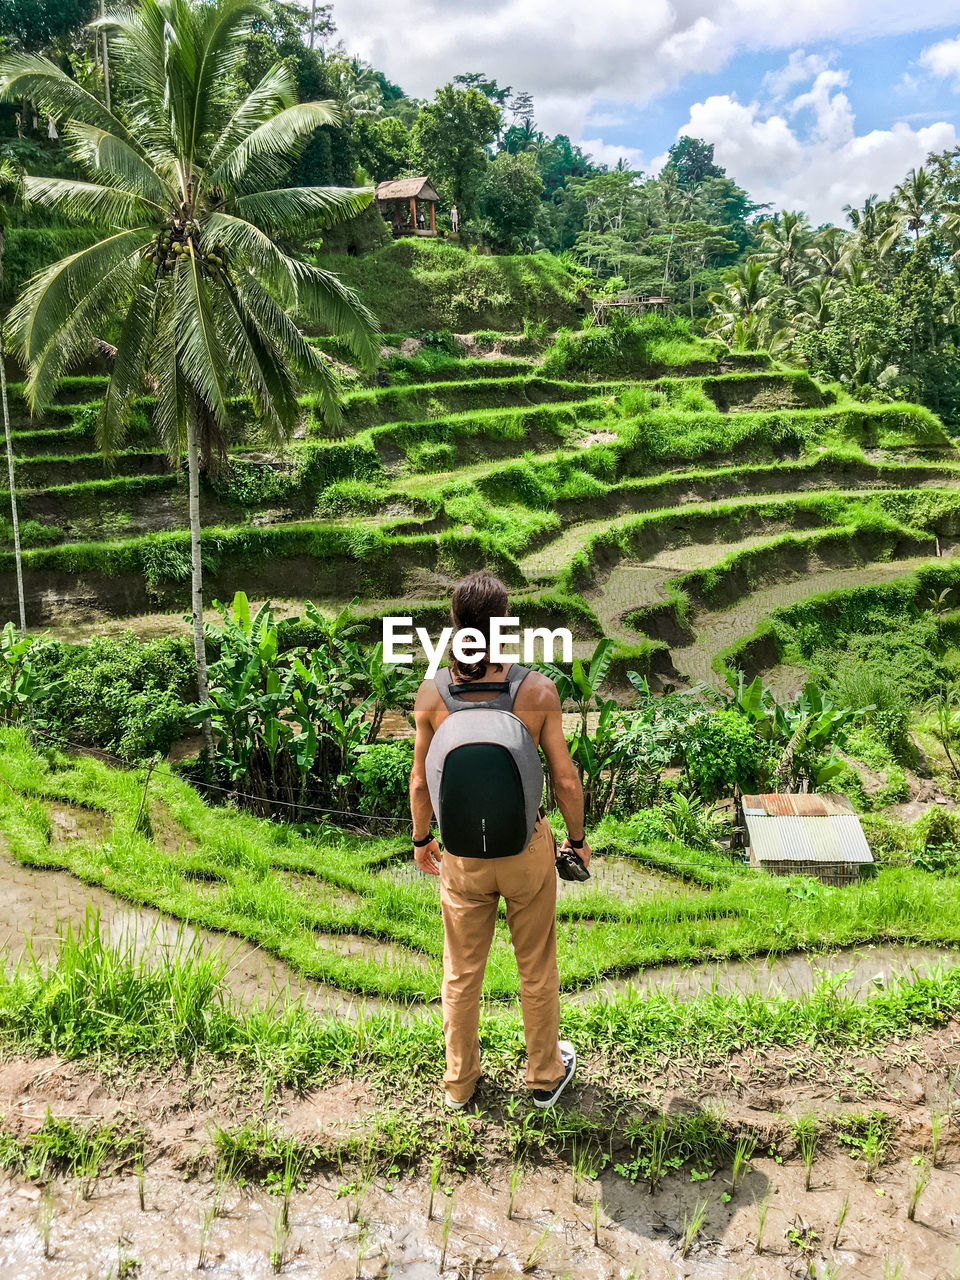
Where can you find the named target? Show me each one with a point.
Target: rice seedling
(806, 1132)
(692, 1226)
(518, 1176)
(830, 1269)
(435, 1167)
(127, 1265)
(363, 1242)
(743, 1154)
(141, 1181)
(936, 1132)
(583, 1168)
(279, 1234)
(596, 1222)
(763, 1208)
(46, 1212)
(536, 1254)
(292, 1168)
(842, 1214)
(921, 1180)
(89, 1162)
(445, 1226)
(893, 1267)
(657, 1154)
(874, 1147)
(207, 1218)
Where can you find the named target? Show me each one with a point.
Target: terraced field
(673, 510)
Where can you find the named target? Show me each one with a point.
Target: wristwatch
(419, 844)
(577, 844)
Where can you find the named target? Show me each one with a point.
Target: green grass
(345, 885)
(416, 284)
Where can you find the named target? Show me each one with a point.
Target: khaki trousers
(470, 891)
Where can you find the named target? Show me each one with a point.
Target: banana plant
(582, 686)
(19, 683)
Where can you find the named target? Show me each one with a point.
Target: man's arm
(421, 810)
(566, 783)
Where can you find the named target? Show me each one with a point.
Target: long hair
(474, 602)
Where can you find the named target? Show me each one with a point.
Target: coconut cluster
(172, 244)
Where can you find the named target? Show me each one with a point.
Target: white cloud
(800, 68)
(943, 60)
(609, 153)
(571, 55)
(821, 170)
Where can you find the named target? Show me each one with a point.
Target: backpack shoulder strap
(505, 690)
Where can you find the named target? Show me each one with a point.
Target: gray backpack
(484, 771)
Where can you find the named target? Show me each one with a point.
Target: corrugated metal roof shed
(803, 804)
(805, 828)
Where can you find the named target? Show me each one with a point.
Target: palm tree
(11, 192)
(812, 308)
(914, 201)
(189, 196)
(830, 251)
(785, 245)
(739, 308)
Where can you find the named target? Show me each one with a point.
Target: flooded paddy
(863, 968)
(35, 904)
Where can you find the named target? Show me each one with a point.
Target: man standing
(471, 887)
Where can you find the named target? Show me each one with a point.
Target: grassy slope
(411, 285)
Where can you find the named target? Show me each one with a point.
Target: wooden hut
(806, 835)
(409, 205)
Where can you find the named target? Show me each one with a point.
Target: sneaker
(547, 1097)
(456, 1104)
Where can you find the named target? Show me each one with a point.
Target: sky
(810, 104)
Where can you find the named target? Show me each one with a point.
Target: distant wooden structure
(626, 304)
(398, 202)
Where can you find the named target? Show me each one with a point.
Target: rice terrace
(286, 352)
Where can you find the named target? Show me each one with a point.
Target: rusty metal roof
(802, 805)
(821, 838)
(407, 189)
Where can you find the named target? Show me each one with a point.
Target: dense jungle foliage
(870, 305)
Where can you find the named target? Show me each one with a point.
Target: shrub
(626, 347)
(122, 695)
(383, 771)
(723, 751)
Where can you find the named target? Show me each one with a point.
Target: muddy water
(34, 904)
(865, 967)
(551, 1232)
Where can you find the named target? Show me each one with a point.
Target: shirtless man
(471, 888)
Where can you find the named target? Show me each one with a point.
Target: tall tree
(510, 202)
(451, 137)
(786, 245)
(11, 192)
(186, 192)
(914, 201)
(692, 158)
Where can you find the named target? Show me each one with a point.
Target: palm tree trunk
(196, 572)
(13, 490)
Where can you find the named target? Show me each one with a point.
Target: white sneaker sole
(565, 1045)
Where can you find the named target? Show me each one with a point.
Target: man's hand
(584, 854)
(427, 858)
